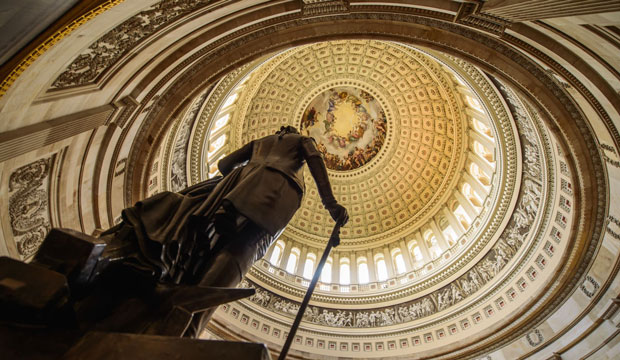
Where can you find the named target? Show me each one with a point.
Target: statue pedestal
(47, 307)
(31, 294)
(116, 346)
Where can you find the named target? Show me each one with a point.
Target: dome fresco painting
(349, 126)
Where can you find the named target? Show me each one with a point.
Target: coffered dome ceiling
(417, 126)
(415, 118)
(417, 121)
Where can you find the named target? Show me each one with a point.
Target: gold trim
(51, 41)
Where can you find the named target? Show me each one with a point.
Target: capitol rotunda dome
(422, 149)
(474, 143)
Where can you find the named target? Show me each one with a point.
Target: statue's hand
(339, 213)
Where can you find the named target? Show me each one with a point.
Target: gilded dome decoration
(349, 126)
(411, 146)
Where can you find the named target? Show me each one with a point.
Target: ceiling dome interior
(426, 236)
(474, 144)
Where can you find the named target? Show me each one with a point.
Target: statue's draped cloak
(163, 222)
(263, 181)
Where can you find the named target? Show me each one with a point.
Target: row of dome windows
(363, 274)
(428, 247)
(418, 256)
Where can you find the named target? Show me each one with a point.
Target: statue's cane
(334, 240)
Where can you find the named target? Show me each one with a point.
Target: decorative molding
(124, 108)
(589, 286)
(120, 167)
(104, 53)
(534, 338)
(469, 14)
(29, 138)
(614, 233)
(323, 7)
(29, 208)
(530, 10)
(51, 41)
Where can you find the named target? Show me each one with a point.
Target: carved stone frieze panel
(111, 47)
(174, 174)
(29, 205)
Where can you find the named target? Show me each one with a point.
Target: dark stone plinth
(30, 293)
(71, 253)
(116, 346)
(35, 343)
(188, 302)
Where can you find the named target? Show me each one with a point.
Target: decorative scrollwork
(28, 205)
(534, 338)
(110, 48)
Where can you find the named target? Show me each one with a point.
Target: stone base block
(116, 346)
(30, 293)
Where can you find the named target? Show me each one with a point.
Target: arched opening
(293, 259)
(470, 195)
(431, 244)
(309, 266)
(382, 273)
(399, 261)
(482, 129)
(326, 274)
(477, 173)
(345, 271)
(363, 276)
(276, 255)
(483, 152)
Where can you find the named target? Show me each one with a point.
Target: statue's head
(287, 130)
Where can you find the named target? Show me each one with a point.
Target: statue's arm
(319, 174)
(228, 163)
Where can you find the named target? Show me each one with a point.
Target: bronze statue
(166, 267)
(186, 237)
(211, 233)
(175, 255)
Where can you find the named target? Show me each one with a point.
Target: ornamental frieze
(177, 172)
(111, 47)
(29, 206)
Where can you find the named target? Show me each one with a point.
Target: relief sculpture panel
(29, 205)
(178, 166)
(111, 47)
